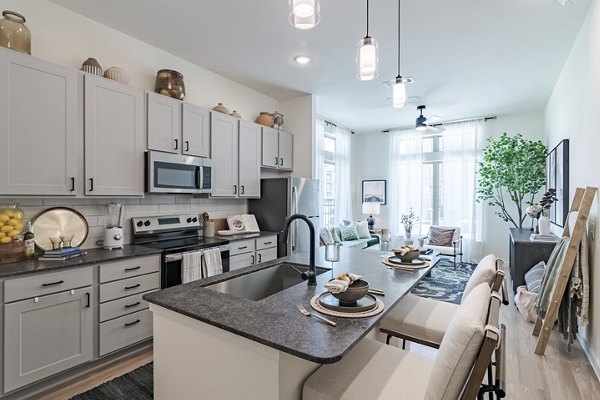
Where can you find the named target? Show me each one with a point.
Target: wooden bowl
(411, 255)
(355, 292)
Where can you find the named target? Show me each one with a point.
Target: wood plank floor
(558, 375)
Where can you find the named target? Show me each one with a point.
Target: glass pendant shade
(420, 123)
(399, 93)
(367, 59)
(305, 14)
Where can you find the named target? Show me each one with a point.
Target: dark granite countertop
(276, 322)
(245, 236)
(93, 256)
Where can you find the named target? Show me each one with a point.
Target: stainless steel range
(175, 235)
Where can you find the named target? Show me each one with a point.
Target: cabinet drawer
(42, 284)
(266, 255)
(124, 331)
(241, 261)
(128, 268)
(266, 242)
(127, 287)
(126, 305)
(241, 246)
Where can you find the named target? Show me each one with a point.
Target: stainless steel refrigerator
(282, 197)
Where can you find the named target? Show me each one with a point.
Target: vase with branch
(408, 220)
(513, 170)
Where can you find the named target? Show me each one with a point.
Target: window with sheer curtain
(332, 167)
(435, 175)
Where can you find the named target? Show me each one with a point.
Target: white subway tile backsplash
(173, 208)
(21, 202)
(158, 199)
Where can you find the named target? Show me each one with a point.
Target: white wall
(299, 118)
(573, 112)
(370, 159)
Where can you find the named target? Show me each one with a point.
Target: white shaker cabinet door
(286, 150)
(224, 153)
(270, 148)
(196, 131)
(249, 159)
(114, 138)
(164, 123)
(40, 130)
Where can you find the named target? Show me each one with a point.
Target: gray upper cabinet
(196, 131)
(277, 149)
(114, 138)
(224, 153)
(249, 159)
(40, 127)
(164, 123)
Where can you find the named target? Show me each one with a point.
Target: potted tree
(513, 170)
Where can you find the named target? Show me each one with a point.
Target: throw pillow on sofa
(348, 232)
(441, 236)
(336, 235)
(362, 229)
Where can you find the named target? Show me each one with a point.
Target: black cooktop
(175, 245)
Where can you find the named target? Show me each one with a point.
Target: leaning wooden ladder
(581, 204)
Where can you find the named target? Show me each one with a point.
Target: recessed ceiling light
(302, 59)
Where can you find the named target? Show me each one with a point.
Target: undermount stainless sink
(265, 282)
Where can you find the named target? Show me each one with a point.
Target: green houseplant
(512, 171)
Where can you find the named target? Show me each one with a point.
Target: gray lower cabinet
(124, 331)
(46, 335)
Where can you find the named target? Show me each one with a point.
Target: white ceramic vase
(544, 225)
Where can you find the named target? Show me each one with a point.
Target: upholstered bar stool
(373, 370)
(424, 320)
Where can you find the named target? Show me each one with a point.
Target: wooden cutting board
(220, 224)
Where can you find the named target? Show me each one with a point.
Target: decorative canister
(116, 74)
(221, 108)
(12, 248)
(277, 120)
(265, 119)
(544, 224)
(170, 83)
(92, 66)
(236, 114)
(14, 34)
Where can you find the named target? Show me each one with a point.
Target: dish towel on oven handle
(191, 266)
(211, 262)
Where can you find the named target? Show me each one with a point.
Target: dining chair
(425, 320)
(375, 371)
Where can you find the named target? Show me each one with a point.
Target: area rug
(135, 385)
(445, 283)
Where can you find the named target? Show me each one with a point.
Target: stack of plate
(396, 262)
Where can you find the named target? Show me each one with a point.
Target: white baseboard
(587, 352)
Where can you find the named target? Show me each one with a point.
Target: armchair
(438, 239)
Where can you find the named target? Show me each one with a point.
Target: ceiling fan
(421, 122)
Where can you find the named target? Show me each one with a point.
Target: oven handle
(179, 256)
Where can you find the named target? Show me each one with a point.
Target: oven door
(173, 173)
(170, 273)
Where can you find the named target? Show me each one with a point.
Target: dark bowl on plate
(355, 292)
(411, 255)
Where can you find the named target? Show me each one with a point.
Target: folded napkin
(341, 282)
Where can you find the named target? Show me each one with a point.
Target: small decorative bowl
(411, 255)
(117, 74)
(355, 292)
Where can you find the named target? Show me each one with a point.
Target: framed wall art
(374, 190)
(557, 176)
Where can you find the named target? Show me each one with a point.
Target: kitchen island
(209, 344)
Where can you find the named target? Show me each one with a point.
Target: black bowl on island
(409, 256)
(356, 291)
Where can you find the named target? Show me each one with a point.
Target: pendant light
(305, 14)
(367, 56)
(420, 122)
(399, 83)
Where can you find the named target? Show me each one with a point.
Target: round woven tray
(406, 267)
(314, 303)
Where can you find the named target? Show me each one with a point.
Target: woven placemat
(314, 303)
(405, 267)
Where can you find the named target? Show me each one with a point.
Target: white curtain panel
(405, 177)
(462, 150)
(318, 161)
(343, 190)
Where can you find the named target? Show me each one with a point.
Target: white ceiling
(468, 58)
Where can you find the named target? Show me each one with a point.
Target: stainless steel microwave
(176, 173)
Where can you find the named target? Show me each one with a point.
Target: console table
(524, 254)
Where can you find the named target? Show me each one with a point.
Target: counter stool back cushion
(460, 347)
(484, 272)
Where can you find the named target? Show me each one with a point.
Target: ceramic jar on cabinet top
(14, 34)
